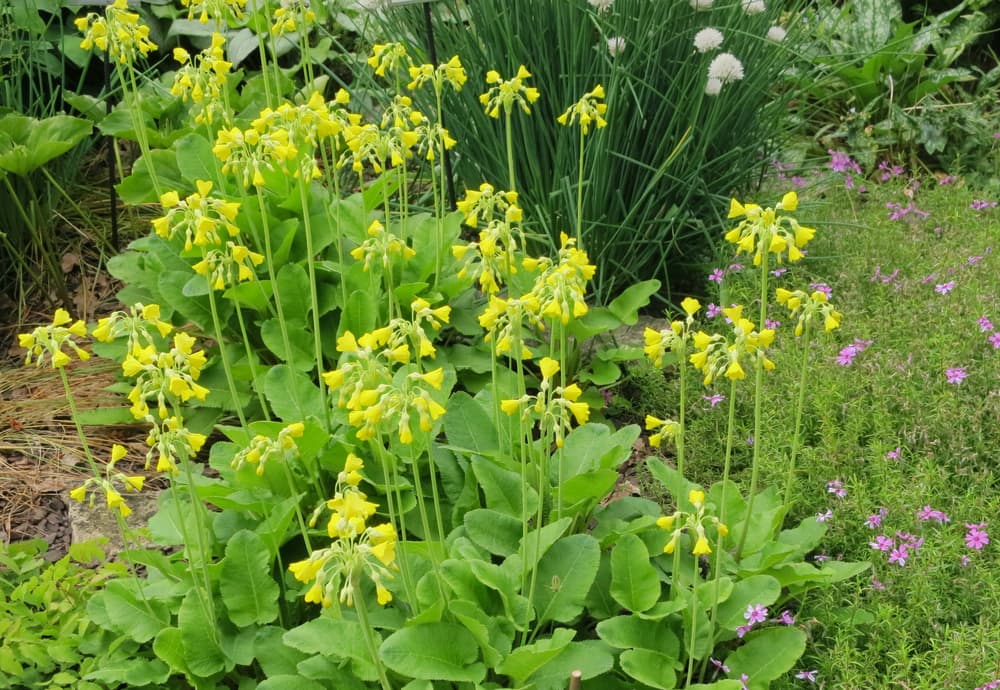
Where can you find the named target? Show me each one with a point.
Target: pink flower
(807, 675)
(956, 375)
(824, 517)
(995, 340)
(717, 276)
(875, 520)
(984, 324)
(976, 536)
(714, 399)
(945, 288)
(981, 204)
(712, 310)
(899, 555)
(836, 487)
(882, 543)
(894, 454)
(927, 513)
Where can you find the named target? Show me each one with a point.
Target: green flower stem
(390, 290)
(432, 544)
(394, 505)
(140, 127)
(226, 366)
(439, 194)
(579, 196)
(258, 383)
(679, 436)
(71, 401)
(510, 152)
(269, 253)
(675, 578)
(303, 530)
(559, 453)
(313, 297)
(368, 631)
(758, 393)
(694, 619)
(800, 404)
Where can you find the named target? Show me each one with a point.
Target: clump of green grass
(901, 413)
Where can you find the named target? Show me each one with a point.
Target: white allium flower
(776, 34)
(616, 46)
(725, 67)
(601, 5)
(754, 6)
(707, 39)
(701, 4)
(713, 87)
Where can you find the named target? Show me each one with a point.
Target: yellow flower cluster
(204, 219)
(717, 356)
(505, 94)
(291, 16)
(387, 57)
(283, 138)
(675, 338)
(107, 484)
(494, 259)
(381, 247)
(49, 341)
(450, 72)
(358, 548)
(762, 229)
(664, 428)
(692, 522)
(588, 110)
(203, 79)
(554, 405)
(561, 287)
(809, 307)
(379, 386)
(119, 33)
(262, 449)
(220, 11)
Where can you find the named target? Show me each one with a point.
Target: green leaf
(469, 427)
(634, 582)
(274, 656)
(171, 286)
(137, 617)
(626, 632)
(334, 637)
(565, 574)
(494, 634)
(135, 673)
(503, 488)
(590, 657)
(195, 159)
(293, 395)
(248, 590)
(768, 653)
(302, 357)
(649, 667)
(627, 305)
(757, 589)
(527, 659)
(293, 290)
(494, 531)
(289, 682)
(27, 144)
(199, 637)
(434, 651)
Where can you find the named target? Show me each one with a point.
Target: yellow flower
(306, 570)
(701, 547)
(696, 497)
(383, 595)
(79, 493)
(510, 406)
(549, 367)
(665, 522)
(690, 306)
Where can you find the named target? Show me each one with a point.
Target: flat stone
(88, 522)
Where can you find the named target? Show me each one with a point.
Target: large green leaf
(528, 659)
(339, 638)
(248, 590)
(758, 589)
(654, 669)
(293, 395)
(128, 612)
(469, 427)
(767, 654)
(590, 657)
(195, 158)
(634, 581)
(496, 532)
(434, 651)
(200, 637)
(627, 632)
(503, 488)
(565, 574)
(27, 144)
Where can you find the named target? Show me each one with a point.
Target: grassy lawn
(900, 432)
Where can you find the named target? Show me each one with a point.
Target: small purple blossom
(882, 543)
(755, 613)
(778, 272)
(993, 684)
(875, 520)
(995, 340)
(807, 675)
(836, 487)
(841, 162)
(944, 288)
(956, 375)
(742, 630)
(712, 310)
(877, 584)
(981, 204)
(714, 399)
(744, 679)
(773, 325)
(719, 665)
(735, 268)
(973, 260)
(825, 516)
(899, 555)
(964, 560)
(894, 454)
(820, 557)
(717, 275)
(897, 211)
(976, 536)
(927, 513)
(822, 287)
(886, 279)
(786, 618)
(948, 179)
(910, 541)
(984, 324)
